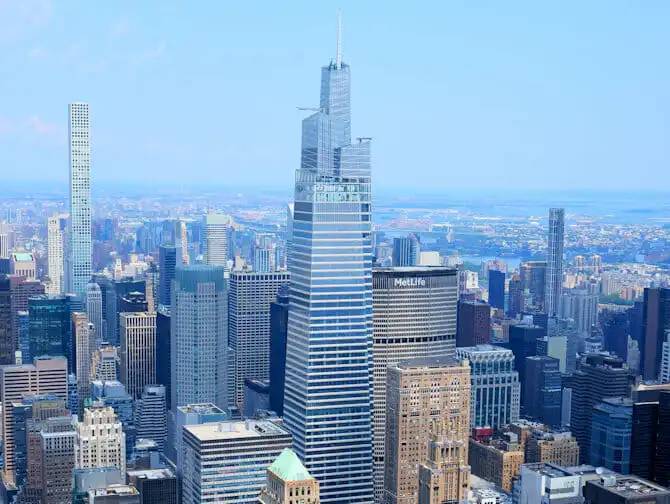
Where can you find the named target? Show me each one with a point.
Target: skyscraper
(217, 227)
(249, 297)
(533, 275)
(611, 429)
(83, 334)
(495, 386)
(655, 324)
(45, 376)
(328, 365)
(56, 233)
(199, 334)
(138, 351)
(414, 315)
(49, 325)
(94, 311)
(497, 289)
(428, 424)
(474, 323)
(598, 376)
(167, 262)
(57, 439)
(542, 394)
(151, 415)
(100, 440)
(406, 251)
(554, 284)
(227, 461)
(80, 249)
(278, 330)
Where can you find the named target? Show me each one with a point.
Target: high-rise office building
(79, 231)
(217, 228)
(94, 311)
(5, 239)
(114, 395)
(156, 486)
(611, 428)
(581, 305)
(597, 376)
(49, 326)
(138, 351)
(414, 315)
(151, 415)
(163, 355)
(494, 383)
(533, 276)
(655, 325)
(619, 489)
(428, 411)
(57, 440)
(100, 440)
(542, 394)
(497, 289)
(105, 364)
(287, 479)
(554, 283)
(662, 461)
(516, 298)
(330, 315)
(226, 461)
(523, 343)
(249, 297)
(167, 263)
(83, 334)
(14, 294)
(47, 375)
(406, 251)
(278, 330)
(199, 334)
(56, 235)
(644, 432)
(474, 323)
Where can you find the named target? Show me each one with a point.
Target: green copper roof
(288, 467)
(23, 256)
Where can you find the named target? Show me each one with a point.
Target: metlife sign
(409, 282)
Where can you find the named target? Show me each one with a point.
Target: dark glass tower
(497, 289)
(50, 328)
(167, 262)
(278, 328)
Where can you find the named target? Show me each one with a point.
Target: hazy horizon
(456, 96)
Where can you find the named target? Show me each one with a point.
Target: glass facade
(328, 365)
(49, 327)
(611, 429)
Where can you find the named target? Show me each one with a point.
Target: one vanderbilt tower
(328, 366)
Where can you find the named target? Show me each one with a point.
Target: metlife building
(414, 316)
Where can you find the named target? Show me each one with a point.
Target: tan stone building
(427, 428)
(288, 482)
(497, 460)
(560, 448)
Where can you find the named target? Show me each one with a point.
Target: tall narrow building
(414, 315)
(83, 335)
(328, 366)
(94, 311)
(554, 283)
(217, 227)
(56, 233)
(80, 249)
(138, 351)
(199, 335)
(427, 429)
(167, 262)
(249, 299)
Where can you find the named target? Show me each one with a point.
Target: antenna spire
(338, 54)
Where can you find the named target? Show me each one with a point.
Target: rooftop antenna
(338, 53)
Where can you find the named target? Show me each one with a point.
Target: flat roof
(235, 429)
(152, 473)
(430, 362)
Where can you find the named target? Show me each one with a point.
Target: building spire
(338, 53)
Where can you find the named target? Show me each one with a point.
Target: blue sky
(456, 95)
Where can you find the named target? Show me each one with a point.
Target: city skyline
(530, 118)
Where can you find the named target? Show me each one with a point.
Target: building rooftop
(630, 486)
(114, 490)
(233, 429)
(430, 362)
(152, 474)
(485, 348)
(22, 256)
(288, 467)
(201, 408)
